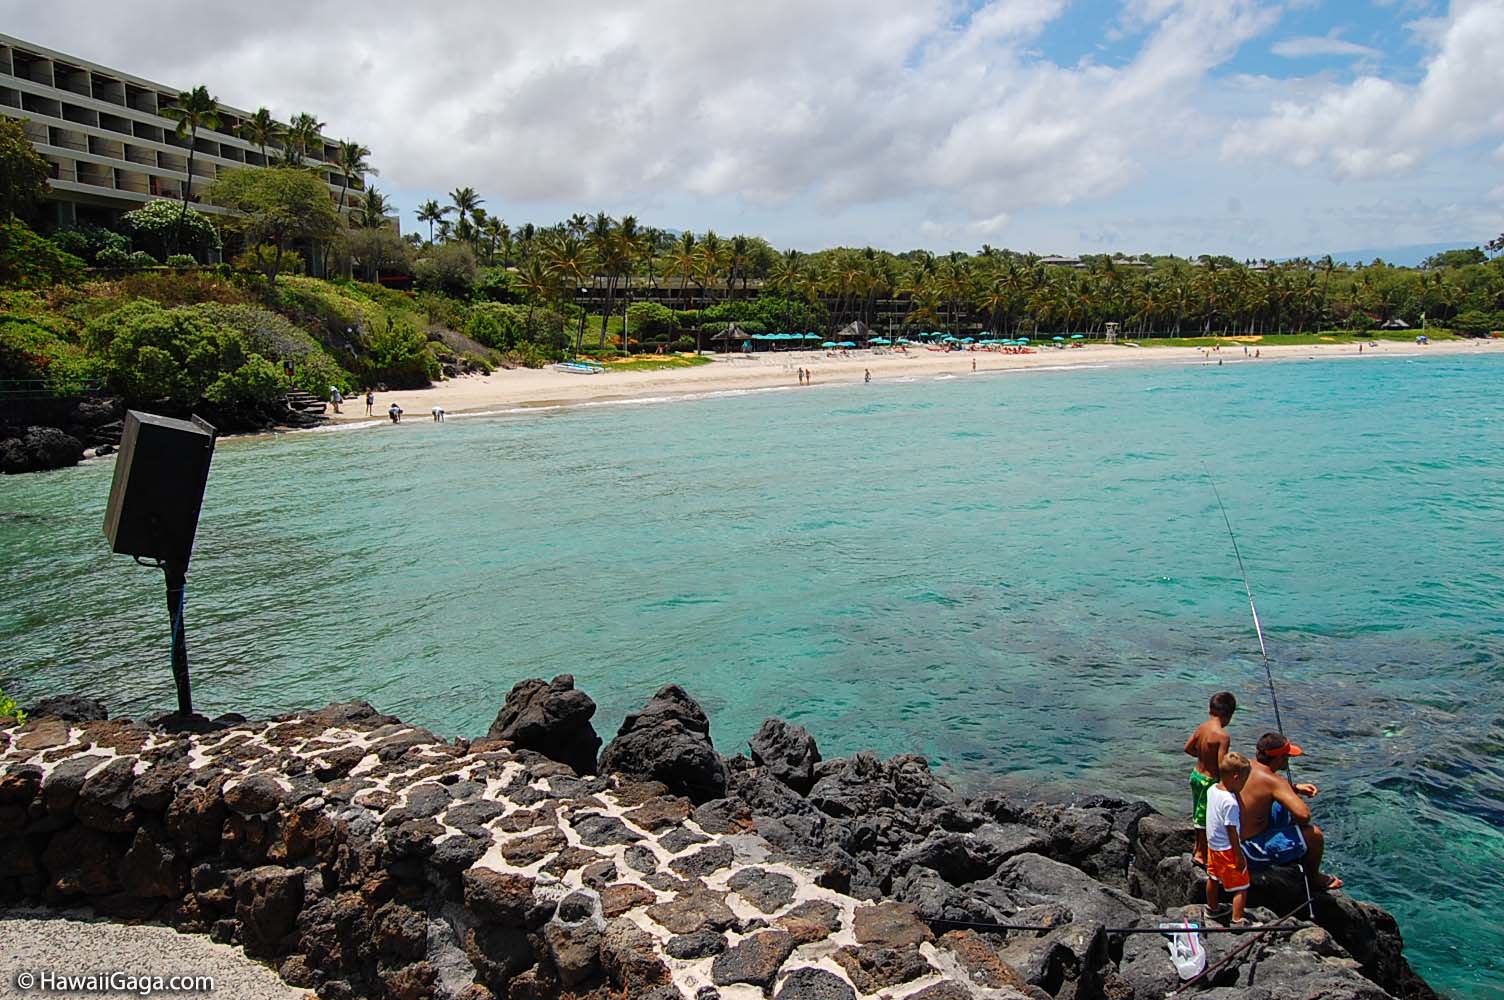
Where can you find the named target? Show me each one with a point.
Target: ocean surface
(1022, 575)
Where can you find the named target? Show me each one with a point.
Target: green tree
(466, 202)
(277, 209)
(23, 172)
(262, 129)
(430, 212)
(371, 211)
(194, 109)
(303, 135)
(449, 268)
(160, 225)
(352, 165)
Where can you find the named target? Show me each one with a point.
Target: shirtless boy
(1208, 744)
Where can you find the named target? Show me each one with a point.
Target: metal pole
(177, 580)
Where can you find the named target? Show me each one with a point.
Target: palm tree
(371, 211)
(466, 202)
(430, 212)
(534, 282)
(630, 241)
(682, 262)
(303, 133)
(495, 233)
(568, 263)
(194, 109)
(352, 165)
(262, 129)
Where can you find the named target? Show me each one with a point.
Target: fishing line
(1258, 627)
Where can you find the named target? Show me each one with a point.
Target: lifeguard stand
(1112, 333)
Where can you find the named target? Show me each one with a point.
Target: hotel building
(108, 148)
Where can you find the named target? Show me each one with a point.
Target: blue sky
(1248, 127)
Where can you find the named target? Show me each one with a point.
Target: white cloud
(1374, 127)
(813, 122)
(1305, 46)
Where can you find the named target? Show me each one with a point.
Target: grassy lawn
(1296, 339)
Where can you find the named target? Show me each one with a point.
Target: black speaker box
(158, 488)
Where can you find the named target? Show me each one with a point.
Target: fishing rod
(1258, 627)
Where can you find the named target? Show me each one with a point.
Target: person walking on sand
(973, 364)
(395, 412)
(867, 376)
(438, 414)
(1277, 827)
(1207, 744)
(370, 400)
(801, 376)
(335, 398)
(1226, 865)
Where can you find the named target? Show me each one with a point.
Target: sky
(1254, 128)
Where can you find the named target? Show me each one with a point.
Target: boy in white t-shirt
(1225, 864)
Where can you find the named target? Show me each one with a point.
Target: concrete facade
(108, 148)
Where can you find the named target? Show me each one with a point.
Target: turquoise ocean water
(1021, 574)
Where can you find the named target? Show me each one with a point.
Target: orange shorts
(1229, 869)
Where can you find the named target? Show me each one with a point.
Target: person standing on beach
(335, 398)
(867, 377)
(973, 364)
(1207, 744)
(370, 400)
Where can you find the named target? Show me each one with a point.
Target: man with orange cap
(1277, 827)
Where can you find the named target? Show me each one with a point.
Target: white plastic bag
(1187, 951)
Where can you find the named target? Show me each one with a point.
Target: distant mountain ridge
(1403, 256)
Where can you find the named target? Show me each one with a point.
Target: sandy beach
(522, 388)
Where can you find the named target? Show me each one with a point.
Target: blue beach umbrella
(830, 343)
(1023, 340)
(968, 340)
(1078, 336)
(847, 343)
(1058, 340)
(880, 340)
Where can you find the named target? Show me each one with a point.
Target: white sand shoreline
(522, 391)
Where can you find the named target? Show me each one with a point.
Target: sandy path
(502, 390)
(72, 945)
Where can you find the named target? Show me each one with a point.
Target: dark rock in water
(70, 708)
(40, 449)
(787, 752)
(553, 718)
(669, 741)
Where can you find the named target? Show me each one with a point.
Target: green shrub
(649, 320)
(684, 344)
(140, 258)
(494, 284)
(30, 261)
(10, 712)
(113, 257)
(441, 309)
(160, 226)
(182, 260)
(31, 348)
(400, 357)
(275, 337)
(447, 268)
(87, 241)
(497, 325)
(476, 361)
(530, 355)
